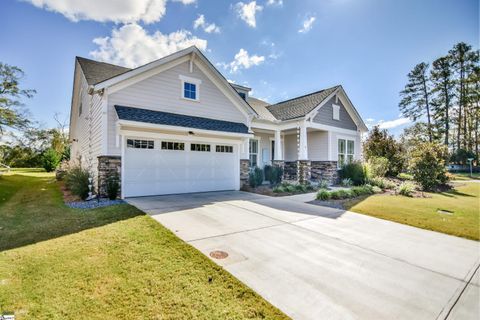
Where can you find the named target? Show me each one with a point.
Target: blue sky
(281, 49)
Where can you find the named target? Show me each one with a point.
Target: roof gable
(300, 106)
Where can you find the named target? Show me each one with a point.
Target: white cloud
(307, 24)
(207, 27)
(119, 11)
(131, 45)
(278, 3)
(242, 60)
(390, 124)
(247, 11)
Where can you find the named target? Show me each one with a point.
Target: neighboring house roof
(300, 106)
(96, 71)
(260, 107)
(179, 120)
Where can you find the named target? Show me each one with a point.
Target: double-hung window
(253, 148)
(346, 151)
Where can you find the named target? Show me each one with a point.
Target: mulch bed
(75, 202)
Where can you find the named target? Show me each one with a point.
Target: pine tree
(443, 84)
(416, 96)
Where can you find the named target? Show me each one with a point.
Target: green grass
(463, 204)
(466, 176)
(107, 263)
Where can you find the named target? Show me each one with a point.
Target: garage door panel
(156, 171)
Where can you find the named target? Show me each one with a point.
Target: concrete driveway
(320, 263)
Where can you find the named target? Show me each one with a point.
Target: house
(176, 125)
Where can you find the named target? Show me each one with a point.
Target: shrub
(406, 189)
(290, 188)
(362, 190)
(50, 160)
(323, 195)
(267, 172)
(381, 144)
(376, 189)
(255, 178)
(341, 194)
(347, 182)
(428, 165)
(301, 187)
(353, 171)
(279, 189)
(404, 176)
(377, 166)
(382, 183)
(276, 174)
(76, 180)
(323, 184)
(113, 186)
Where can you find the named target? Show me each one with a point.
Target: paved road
(320, 263)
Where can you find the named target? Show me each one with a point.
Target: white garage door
(155, 167)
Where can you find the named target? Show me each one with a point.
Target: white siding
(318, 145)
(162, 92)
(264, 144)
(86, 128)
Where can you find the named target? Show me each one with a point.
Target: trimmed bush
(428, 165)
(50, 160)
(362, 190)
(323, 195)
(290, 188)
(279, 189)
(276, 174)
(377, 166)
(76, 180)
(353, 171)
(341, 194)
(113, 186)
(255, 177)
(406, 189)
(376, 189)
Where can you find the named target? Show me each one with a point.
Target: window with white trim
(346, 150)
(140, 144)
(200, 147)
(170, 145)
(253, 148)
(190, 88)
(336, 112)
(225, 149)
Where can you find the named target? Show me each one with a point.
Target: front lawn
(455, 212)
(466, 176)
(107, 263)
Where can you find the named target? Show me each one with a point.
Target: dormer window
(336, 112)
(190, 89)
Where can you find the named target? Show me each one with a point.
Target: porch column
(278, 146)
(244, 162)
(302, 143)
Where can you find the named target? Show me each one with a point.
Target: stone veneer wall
(324, 170)
(107, 166)
(244, 172)
(304, 173)
(290, 170)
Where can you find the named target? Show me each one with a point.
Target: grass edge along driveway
(107, 263)
(455, 212)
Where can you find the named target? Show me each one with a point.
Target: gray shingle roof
(299, 106)
(179, 120)
(96, 71)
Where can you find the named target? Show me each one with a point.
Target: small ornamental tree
(50, 160)
(380, 144)
(428, 165)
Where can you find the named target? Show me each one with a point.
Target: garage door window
(227, 149)
(140, 144)
(200, 147)
(168, 145)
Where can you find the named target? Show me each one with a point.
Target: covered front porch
(304, 152)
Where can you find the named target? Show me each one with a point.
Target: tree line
(445, 96)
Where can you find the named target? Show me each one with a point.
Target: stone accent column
(108, 166)
(304, 173)
(290, 170)
(244, 172)
(325, 170)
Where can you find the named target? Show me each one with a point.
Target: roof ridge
(305, 95)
